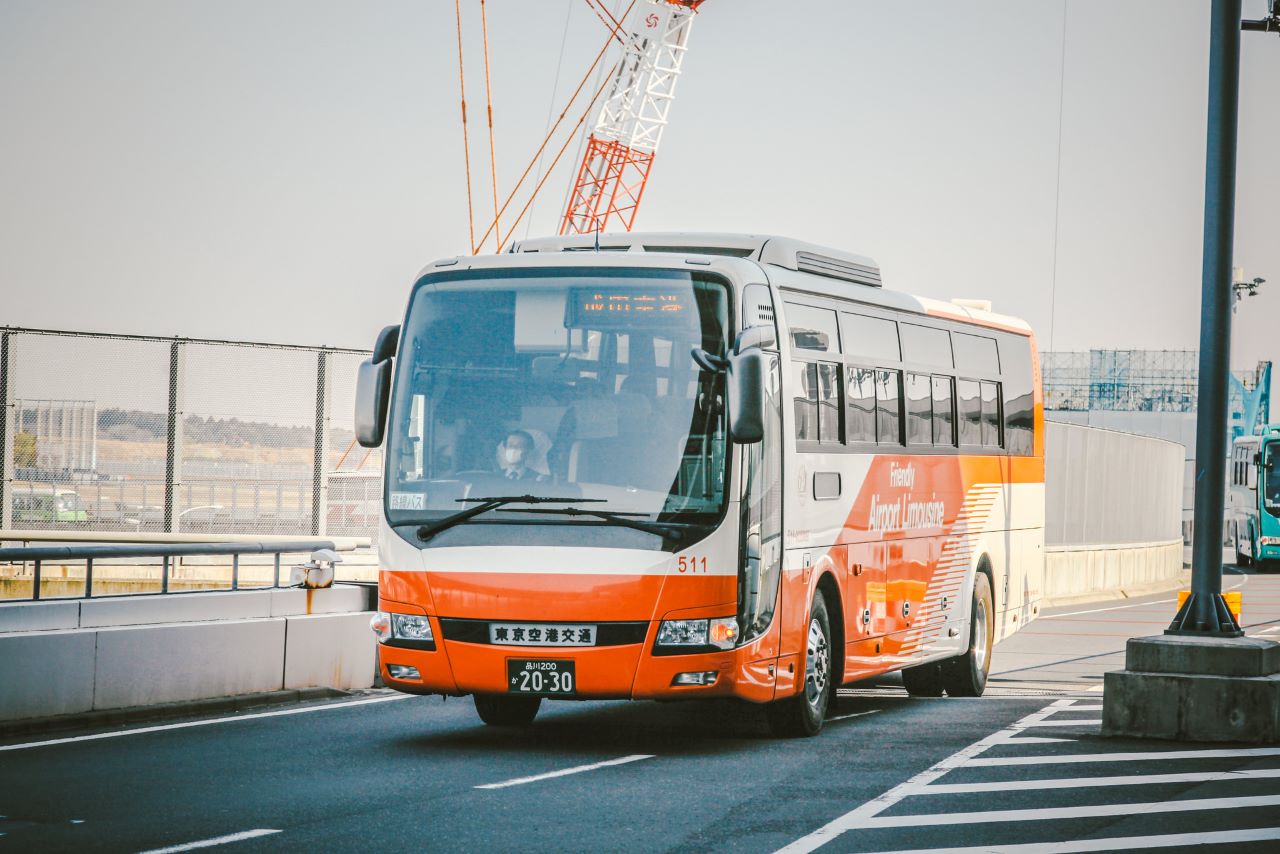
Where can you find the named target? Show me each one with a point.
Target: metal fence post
(8, 430)
(173, 445)
(320, 472)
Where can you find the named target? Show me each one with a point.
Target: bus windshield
(564, 384)
(1271, 479)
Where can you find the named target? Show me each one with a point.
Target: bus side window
(860, 423)
(829, 409)
(991, 415)
(1019, 410)
(944, 431)
(919, 388)
(806, 401)
(969, 397)
(888, 408)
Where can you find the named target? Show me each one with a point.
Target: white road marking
(1243, 580)
(1035, 739)
(209, 843)
(858, 816)
(854, 715)
(1159, 756)
(1092, 708)
(1048, 813)
(1076, 722)
(1090, 782)
(1116, 843)
(209, 722)
(564, 772)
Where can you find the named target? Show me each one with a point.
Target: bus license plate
(549, 678)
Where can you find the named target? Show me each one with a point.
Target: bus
(683, 466)
(1253, 501)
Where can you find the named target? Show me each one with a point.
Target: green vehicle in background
(1253, 503)
(61, 506)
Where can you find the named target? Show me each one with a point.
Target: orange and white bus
(674, 466)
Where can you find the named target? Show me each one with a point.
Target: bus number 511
(685, 563)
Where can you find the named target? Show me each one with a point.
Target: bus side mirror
(746, 396)
(373, 389)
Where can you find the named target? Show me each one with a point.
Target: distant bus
(1253, 504)
(691, 466)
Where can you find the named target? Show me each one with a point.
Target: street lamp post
(1204, 612)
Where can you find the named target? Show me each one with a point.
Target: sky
(281, 170)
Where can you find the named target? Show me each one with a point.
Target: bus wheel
(966, 675)
(802, 714)
(1242, 559)
(502, 710)
(924, 680)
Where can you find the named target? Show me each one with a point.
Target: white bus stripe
(1115, 843)
(1086, 758)
(564, 772)
(1049, 813)
(1089, 782)
(209, 843)
(187, 724)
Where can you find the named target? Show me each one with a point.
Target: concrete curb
(172, 711)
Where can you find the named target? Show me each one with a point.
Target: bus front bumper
(630, 671)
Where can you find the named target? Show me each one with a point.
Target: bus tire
(1242, 559)
(506, 710)
(801, 715)
(966, 675)
(923, 680)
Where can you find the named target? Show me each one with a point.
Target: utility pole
(1205, 612)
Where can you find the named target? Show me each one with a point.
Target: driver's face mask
(513, 456)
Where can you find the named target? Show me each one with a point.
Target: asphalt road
(1024, 766)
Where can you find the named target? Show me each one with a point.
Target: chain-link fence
(132, 433)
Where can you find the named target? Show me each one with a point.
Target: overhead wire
(1057, 191)
(551, 104)
(606, 17)
(494, 226)
(488, 98)
(466, 146)
(560, 153)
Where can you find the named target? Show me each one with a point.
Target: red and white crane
(624, 141)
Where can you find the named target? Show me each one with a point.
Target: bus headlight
(721, 632)
(1269, 541)
(411, 627)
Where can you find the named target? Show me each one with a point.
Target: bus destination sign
(603, 307)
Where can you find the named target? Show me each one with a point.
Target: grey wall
(1104, 487)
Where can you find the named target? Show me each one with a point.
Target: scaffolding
(1141, 381)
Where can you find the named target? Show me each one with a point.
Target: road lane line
(1089, 782)
(217, 840)
(1051, 813)
(1077, 722)
(187, 724)
(1115, 843)
(564, 772)
(1158, 756)
(854, 715)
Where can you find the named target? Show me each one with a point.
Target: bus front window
(1271, 480)
(575, 384)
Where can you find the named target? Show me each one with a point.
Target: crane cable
(494, 226)
(607, 18)
(488, 99)
(466, 147)
(560, 153)
(551, 104)
(577, 155)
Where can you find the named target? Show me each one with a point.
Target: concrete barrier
(66, 658)
(1113, 517)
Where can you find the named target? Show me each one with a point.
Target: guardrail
(39, 555)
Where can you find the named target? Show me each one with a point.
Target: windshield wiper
(622, 519)
(484, 505)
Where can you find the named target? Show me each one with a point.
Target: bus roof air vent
(837, 268)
